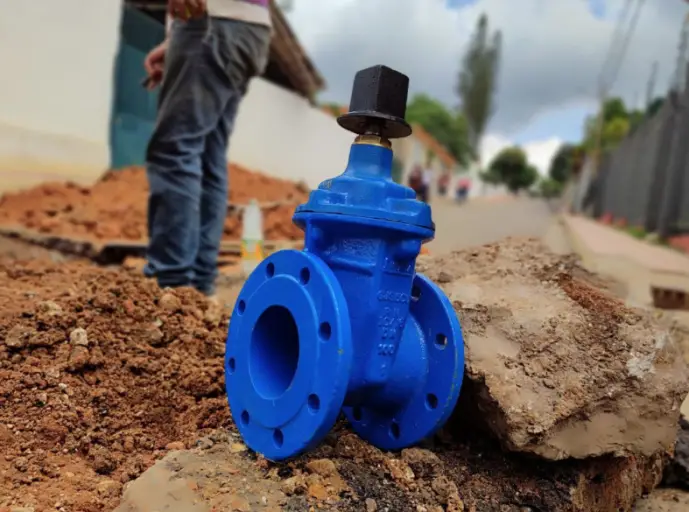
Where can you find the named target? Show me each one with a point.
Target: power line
(625, 43)
(603, 86)
(614, 40)
(650, 87)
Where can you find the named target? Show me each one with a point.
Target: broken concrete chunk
(555, 366)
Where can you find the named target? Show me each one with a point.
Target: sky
(553, 51)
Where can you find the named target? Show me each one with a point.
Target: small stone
(239, 503)
(238, 447)
(205, 443)
(323, 467)
(49, 307)
(213, 314)
(79, 337)
(18, 336)
(42, 398)
(52, 373)
(78, 358)
(443, 277)
(400, 470)
(63, 387)
(170, 302)
(444, 489)
(294, 485)
(174, 446)
(103, 462)
(318, 491)
(153, 335)
(21, 464)
(371, 505)
(128, 444)
(109, 488)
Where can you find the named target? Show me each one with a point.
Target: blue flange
(289, 354)
(426, 377)
(347, 324)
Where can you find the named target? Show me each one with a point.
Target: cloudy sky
(553, 51)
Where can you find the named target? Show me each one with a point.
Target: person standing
(212, 50)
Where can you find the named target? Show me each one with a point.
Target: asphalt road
(484, 221)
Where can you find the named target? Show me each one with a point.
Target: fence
(644, 182)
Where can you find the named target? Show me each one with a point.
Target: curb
(639, 279)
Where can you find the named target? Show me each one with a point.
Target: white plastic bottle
(252, 237)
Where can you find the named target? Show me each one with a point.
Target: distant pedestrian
(443, 183)
(415, 181)
(427, 181)
(212, 50)
(462, 190)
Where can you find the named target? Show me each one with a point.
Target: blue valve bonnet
(347, 325)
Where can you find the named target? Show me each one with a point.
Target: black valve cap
(378, 104)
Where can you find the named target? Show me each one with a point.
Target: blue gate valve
(346, 325)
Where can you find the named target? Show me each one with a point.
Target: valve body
(346, 324)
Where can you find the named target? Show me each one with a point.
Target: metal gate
(134, 108)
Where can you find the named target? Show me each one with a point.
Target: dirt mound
(100, 371)
(115, 207)
(102, 374)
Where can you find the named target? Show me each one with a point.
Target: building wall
(56, 59)
(278, 132)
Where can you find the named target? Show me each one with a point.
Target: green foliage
(562, 163)
(655, 106)
(477, 81)
(511, 168)
(636, 231)
(617, 122)
(614, 108)
(550, 188)
(614, 132)
(448, 128)
(635, 119)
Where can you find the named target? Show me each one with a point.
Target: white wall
(56, 69)
(57, 61)
(279, 133)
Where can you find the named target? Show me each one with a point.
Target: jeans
(208, 66)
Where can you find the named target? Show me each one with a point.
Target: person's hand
(154, 64)
(185, 9)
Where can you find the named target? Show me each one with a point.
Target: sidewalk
(637, 263)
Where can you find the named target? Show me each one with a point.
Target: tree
(550, 188)
(566, 161)
(617, 122)
(655, 106)
(448, 128)
(478, 80)
(511, 168)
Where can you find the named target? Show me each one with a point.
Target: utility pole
(650, 87)
(604, 86)
(680, 67)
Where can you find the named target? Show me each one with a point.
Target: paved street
(483, 221)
